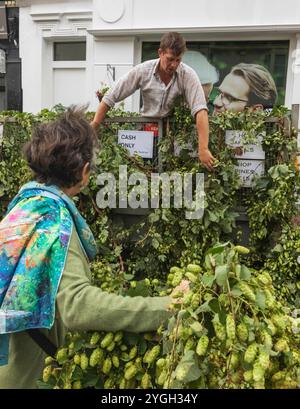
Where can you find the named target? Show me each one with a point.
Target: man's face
(234, 92)
(168, 61)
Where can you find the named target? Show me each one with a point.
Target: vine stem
(120, 259)
(173, 352)
(95, 206)
(233, 315)
(121, 263)
(230, 299)
(144, 238)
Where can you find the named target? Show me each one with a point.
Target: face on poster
(244, 85)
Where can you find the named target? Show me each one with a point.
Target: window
(69, 51)
(223, 55)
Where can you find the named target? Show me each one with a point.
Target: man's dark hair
(58, 150)
(174, 41)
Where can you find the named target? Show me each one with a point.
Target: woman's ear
(86, 174)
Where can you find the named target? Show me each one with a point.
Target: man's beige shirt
(158, 98)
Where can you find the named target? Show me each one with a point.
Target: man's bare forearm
(100, 114)
(204, 154)
(202, 129)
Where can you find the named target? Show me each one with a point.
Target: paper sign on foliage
(247, 169)
(234, 139)
(251, 157)
(140, 142)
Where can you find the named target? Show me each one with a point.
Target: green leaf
(77, 374)
(43, 385)
(245, 273)
(78, 343)
(175, 384)
(128, 277)
(221, 274)
(279, 170)
(171, 324)
(207, 279)
(187, 369)
(167, 346)
(214, 305)
(219, 258)
(203, 308)
(183, 314)
(154, 217)
(213, 217)
(210, 262)
(142, 346)
(141, 289)
(278, 248)
(155, 243)
(235, 291)
(260, 299)
(90, 378)
(219, 248)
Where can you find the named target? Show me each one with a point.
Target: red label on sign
(151, 127)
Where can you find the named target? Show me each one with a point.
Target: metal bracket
(111, 70)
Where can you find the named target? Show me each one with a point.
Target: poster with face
(246, 85)
(238, 74)
(250, 74)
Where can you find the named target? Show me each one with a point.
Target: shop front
(70, 50)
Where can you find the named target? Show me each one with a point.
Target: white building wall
(31, 56)
(114, 31)
(46, 82)
(119, 54)
(205, 14)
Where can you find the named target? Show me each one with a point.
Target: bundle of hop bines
(228, 331)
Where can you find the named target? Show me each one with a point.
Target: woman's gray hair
(59, 150)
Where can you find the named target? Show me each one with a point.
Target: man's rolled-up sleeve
(194, 93)
(125, 87)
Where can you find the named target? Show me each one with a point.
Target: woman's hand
(182, 288)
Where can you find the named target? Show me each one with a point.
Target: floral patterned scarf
(34, 240)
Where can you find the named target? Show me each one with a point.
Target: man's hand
(204, 153)
(206, 158)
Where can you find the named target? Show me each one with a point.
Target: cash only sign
(140, 142)
(250, 156)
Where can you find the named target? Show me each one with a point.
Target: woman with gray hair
(45, 249)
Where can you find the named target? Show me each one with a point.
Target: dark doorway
(10, 62)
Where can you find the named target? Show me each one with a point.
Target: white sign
(248, 169)
(140, 142)
(2, 61)
(234, 139)
(298, 140)
(1, 133)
